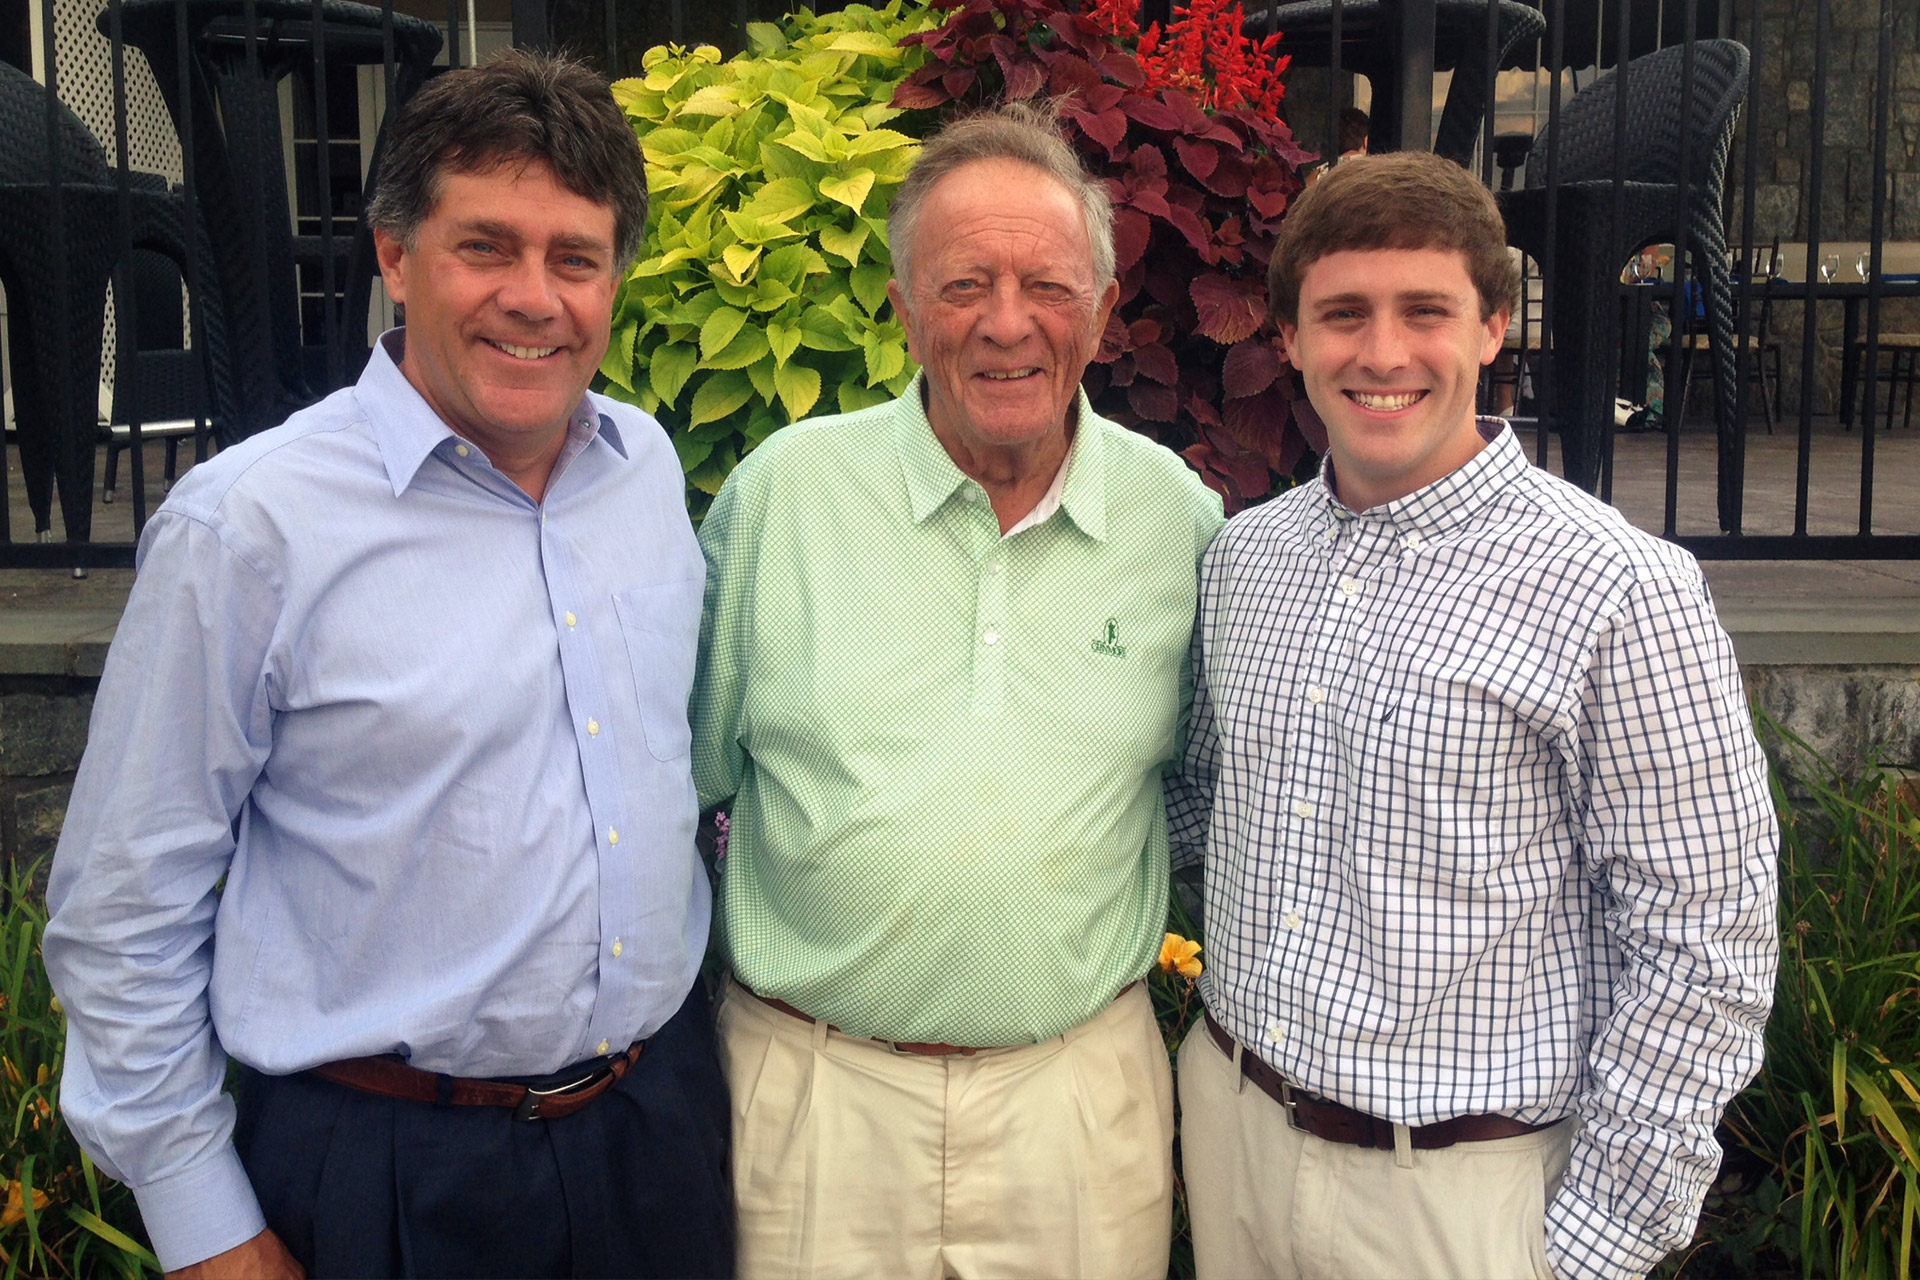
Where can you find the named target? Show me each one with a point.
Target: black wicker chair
(1589, 248)
(165, 387)
(56, 365)
(233, 92)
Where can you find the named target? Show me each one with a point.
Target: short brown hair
(1402, 200)
(517, 107)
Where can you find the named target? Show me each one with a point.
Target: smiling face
(1390, 344)
(1003, 312)
(509, 294)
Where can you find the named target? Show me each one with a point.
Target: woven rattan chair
(1589, 248)
(56, 364)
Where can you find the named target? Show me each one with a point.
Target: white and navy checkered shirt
(1486, 829)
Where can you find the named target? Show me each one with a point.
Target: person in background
(408, 676)
(943, 667)
(1354, 126)
(1488, 843)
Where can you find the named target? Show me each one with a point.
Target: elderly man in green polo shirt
(944, 663)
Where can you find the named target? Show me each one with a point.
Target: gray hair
(1026, 133)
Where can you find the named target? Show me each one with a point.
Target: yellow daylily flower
(16, 1208)
(1180, 955)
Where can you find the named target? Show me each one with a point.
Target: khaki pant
(851, 1159)
(1269, 1200)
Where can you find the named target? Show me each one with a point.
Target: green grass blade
(115, 1237)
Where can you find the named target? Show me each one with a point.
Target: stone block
(1848, 715)
(1776, 210)
(42, 734)
(38, 815)
(1799, 96)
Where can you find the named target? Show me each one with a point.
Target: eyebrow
(1411, 297)
(505, 231)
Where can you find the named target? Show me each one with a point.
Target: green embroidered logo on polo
(1109, 644)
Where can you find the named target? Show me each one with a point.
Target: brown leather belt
(389, 1077)
(898, 1046)
(1334, 1122)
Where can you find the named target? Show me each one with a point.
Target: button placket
(990, 635)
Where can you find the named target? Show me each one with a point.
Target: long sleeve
(1682, 843)
(180, 730)
(720, 681)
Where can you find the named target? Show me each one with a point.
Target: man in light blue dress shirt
(409, 673)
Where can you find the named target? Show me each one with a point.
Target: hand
(261, 1258)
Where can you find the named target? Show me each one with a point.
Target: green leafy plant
(1823, 1170)
(1189, 356)
(60, 1216)
(763, 299)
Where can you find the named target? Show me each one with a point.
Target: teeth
(524, 353)
(1008, 375)
(1385, 403)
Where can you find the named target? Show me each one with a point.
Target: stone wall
(1781, 112)
(43, 729)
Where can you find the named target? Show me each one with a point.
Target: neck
(1015, 477)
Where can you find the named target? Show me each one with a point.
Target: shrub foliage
(764, 297)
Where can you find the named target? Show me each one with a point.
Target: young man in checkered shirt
(1489, 851)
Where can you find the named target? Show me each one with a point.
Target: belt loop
(819, 1035)
(445, 1084)
(1402, 1147)
(1239, 1071)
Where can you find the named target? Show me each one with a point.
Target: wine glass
(1860, 264)
(1637, 269)
(1829, 267)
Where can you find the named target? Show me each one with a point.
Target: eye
(480, 248)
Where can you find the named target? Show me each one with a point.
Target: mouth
(1010, 375)
(1385, 402)
(521, 353)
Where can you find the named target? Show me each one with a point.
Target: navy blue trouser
(635, 1184)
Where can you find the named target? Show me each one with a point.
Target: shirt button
(1316, 695)
(992, 637)
(1413, 541)
(1349, 587)
(603, 1047)
(593, 728)
(462, 450)
(1304, 809)
(1333, 531)
(1276, 1034)
(613, 837)
(570, 618)
(617, 948)
(1291, 919)
(995, 567)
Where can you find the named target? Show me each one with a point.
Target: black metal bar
(323, 180)
(530, 30)
(70, 555)
(1743, 300)
(1882, 100)
(1412, 127)
(62, 336)
(197, 280)
(453, 33)
(1816, 177)
(677, 21)
(1617, 209)
(612, 35)
(126, 355)
(1681, 304)
(1334, 94)
(1543, 385)
(1879, 546)
(1493, 93)
(389, 69)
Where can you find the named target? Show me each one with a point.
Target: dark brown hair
(517, 107)
(1402, 200)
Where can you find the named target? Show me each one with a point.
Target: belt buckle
(1289, 1098)
(529, 1108)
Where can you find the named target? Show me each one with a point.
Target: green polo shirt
(944, 747)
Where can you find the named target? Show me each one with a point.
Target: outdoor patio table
(231, 90)
(1459, 45)
(1849, 294)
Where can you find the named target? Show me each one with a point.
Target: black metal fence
(1686, 166)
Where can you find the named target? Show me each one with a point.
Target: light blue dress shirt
(434, 736)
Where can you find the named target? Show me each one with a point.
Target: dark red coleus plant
(1189, 356)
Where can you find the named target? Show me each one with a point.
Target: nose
(527, 291)
(1008, 315)
(1384, 346)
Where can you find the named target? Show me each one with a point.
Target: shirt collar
(406, 428)
(932, 477)
(1453, 499)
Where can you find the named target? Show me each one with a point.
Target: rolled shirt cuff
(203, 1210)
(1583, 1243)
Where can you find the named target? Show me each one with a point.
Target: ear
(897, 295)
(1496, 335)
(1288, 335)
(390, 252)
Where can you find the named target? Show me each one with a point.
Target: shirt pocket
(661, 626)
